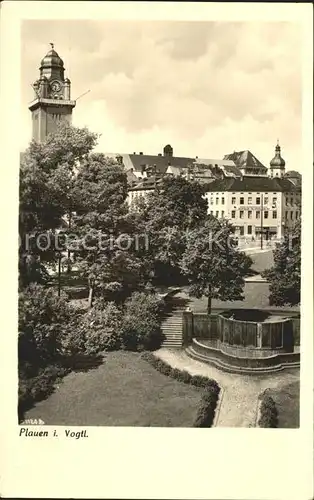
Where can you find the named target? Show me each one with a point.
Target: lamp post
(262, 215)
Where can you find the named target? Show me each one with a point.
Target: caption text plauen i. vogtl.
(26, 432)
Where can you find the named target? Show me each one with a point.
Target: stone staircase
(172, 329)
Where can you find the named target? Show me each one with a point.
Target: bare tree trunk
(209, 302)
(59, 274)
(90, 296)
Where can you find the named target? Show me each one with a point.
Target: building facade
(52, 97)
(256, 206)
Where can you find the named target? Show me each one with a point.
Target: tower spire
(52, 45)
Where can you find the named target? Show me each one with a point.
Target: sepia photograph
(157, 250)
(160, 215)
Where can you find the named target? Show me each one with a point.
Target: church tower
(52, 100)
(277, 164)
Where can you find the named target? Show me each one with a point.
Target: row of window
(291, 215)
(266, 200)
(249, 200)
(257, 214)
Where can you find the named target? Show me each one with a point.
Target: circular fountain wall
(253, 333)
(245, 341)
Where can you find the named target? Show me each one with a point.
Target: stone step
(176, 328)
(172, 320)
(172, 344)
(171, 328)
(236, 369)
(172, 335)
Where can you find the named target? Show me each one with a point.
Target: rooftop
(248, 183)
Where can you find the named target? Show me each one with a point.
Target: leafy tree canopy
(215, 268)
(285, 276)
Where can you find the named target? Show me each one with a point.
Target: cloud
(206, 87)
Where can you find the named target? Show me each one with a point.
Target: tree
(285, 276)
(214, 267)
(44, 319)
(105, 240)
(47, 172)
(175, 207)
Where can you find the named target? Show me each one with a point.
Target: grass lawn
(262, 261)
(287, 400)
(124, 391)
(255, 297)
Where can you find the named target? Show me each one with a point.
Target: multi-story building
(258, 205)
(255, 205)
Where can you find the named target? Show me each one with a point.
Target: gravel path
(240, 392)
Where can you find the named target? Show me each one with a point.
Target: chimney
(141, 152)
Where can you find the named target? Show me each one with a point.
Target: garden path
(240, 392)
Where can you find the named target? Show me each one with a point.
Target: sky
(207, 88)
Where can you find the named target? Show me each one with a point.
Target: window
(233, 200)
(217, 213)
(274, 214)
(241, 200)
(249, 214)
(274, 200)
(297, 215)
(286, 215)
(266, 214)
(241, 231)
(249, 230)
(212, 201)
(291, 201)
(217, 201)
(258, 200)
(249, 200)
(241, 214)
(222, 201)
(258, 214)
(233, 214)
(222, 213)
(211, 212)
(291, 215)
(266, 200)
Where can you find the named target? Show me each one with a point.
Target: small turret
(277, 164)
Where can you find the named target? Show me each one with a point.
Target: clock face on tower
(55, 86)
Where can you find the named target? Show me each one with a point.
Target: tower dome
(52, 65)
(277, 161)
(52, 58)
(277, 164)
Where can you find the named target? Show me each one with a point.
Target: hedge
(206, 411)
(39, 387)
(268, 412)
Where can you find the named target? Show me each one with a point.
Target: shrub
(268, 412)
(185, 377)
(142, 321)
(175, 373)
(206, 411)
(39, 387)
(97, 330)
(164, 368)
(43, 319)
(199, 381)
